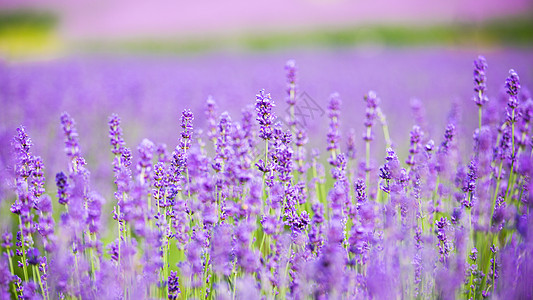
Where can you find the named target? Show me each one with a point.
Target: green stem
(497, 189)
(293, 120)
(24, 267)
(11, 268)
(367, 166)
(36, 270)
(385, 127)
(512, 156)
(234, 284)
(479, 118)
(262, 242)
(286, 272)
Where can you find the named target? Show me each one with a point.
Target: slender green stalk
(293, 120)
(11, 268)
(367, 166)
(385, 127)
(435, 193)
(479, 117)
(119, 224)
(262, 242)
(286, 272)
(263, 189)
(38, 274)
(23, 240)
(497, 188)
(513, 157)
(234, 283)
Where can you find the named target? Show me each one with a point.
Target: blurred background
(47, 28)
(148, 60)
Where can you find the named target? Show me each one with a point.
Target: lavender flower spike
(186, 125)
(72, 147)
(115, 134)
(265, 117)
(512, 83)
(480, 81)
(290, 68)
(333, 133)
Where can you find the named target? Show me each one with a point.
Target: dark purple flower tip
(173, 285)
(456, 215)
(473, 254)
(62, 187)
(33, 255)
(210, 103)
(512, 83)
(430, 146)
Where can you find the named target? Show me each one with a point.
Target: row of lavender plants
(241, 209)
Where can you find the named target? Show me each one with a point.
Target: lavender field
(345, 174)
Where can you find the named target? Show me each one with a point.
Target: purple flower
(72, 146)
(300, 154)
(443, 245)
(173, 285)
(333, 136)
(282, 157)
(38, 179)
(144, 166)
(32, 256)
(265, 116)
(62, 188)
(469, 185)
(350, 145)
(390, 170)
(186, 125)
(115, 134)
(94, 208)
(512, 84)
(22, 144)
(414, 149)
(480, 81)
(290, 69)
(222, 255)
(372, 101)
(210, 114)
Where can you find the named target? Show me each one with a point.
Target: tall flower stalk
(480, 85)
(290, 69)
(265, 117)
(512, 85)
(372, 101)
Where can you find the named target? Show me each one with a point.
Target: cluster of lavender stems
(222, 217)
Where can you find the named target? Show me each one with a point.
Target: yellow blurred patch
(23, 42)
